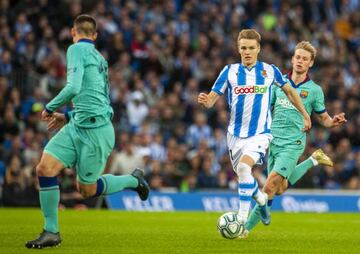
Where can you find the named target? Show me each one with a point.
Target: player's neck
(83, 38)
(298, 78)
(249, 66)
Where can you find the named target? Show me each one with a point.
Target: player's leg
(57, 155)
(93, 151)
(243, 157)
(316, 158)
(254, 217)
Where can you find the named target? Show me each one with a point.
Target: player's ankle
(314, 161)
(261, 198)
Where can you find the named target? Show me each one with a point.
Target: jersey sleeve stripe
(320, 112)
(220, 83)
(278, 76)
(229, 96)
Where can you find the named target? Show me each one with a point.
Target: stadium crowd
(161, 55)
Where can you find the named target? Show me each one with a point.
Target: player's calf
(272, 184)
(283, 187)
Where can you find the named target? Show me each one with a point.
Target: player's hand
(203, 99)
(307, 123)
(56, 122)
(45, 116)
(339, 119)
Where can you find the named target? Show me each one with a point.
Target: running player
(289, 141)
(86, 138)
(248, 92)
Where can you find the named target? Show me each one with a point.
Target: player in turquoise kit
(289, 140)
(86, 137)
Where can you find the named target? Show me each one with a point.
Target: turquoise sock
(254, 217)
(49, 195)
(300, 170)
(253, 220)
(114, 184)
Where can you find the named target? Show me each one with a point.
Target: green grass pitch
(102, 231)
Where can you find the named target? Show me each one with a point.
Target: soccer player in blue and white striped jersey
(247, 86)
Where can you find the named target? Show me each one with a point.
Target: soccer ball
(230, 225)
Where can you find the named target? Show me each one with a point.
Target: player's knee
(273, 183)
(87, 191)
(243, 170)
(44, 170)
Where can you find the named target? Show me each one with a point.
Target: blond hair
(85, 24)
(249, 34)
(306, 45)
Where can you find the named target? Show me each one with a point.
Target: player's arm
(208, 100)
(324, 118)
(329, 122)
(75, 72)
(218, 89)
(294, 98)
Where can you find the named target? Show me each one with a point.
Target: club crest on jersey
(264, 73)
(304, 94)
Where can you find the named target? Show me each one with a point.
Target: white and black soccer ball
(230, 226)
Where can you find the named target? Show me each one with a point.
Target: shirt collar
(307, 78)
(87, 41)
(256, 64)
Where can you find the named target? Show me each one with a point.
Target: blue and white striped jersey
(248, 94)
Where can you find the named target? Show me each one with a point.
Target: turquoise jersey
(288, 122)
(87, 86)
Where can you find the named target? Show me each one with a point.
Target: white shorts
(254, 146)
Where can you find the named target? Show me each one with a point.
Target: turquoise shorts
(283, 159)
(86, 150)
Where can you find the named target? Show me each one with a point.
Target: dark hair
(85, 24)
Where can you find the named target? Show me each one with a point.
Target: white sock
(260, 197)
(314, 161)
(247, 186)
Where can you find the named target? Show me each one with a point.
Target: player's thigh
(272, 154)
(93, 147)
(256, 146)
(253, 148)
(286, 160)
(61, 147)
(235, 145)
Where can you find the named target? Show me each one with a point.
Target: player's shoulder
(232, 65)
(314, 86)
(75, 48)
(268, 66)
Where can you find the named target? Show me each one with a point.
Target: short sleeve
(319, 102)
(279, 79)
(221, 83)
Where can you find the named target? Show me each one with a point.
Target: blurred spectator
(160, 57)
(126, 161)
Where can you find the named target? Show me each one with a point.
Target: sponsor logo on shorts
(88, 174)
(250, 89)
(283, 169)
